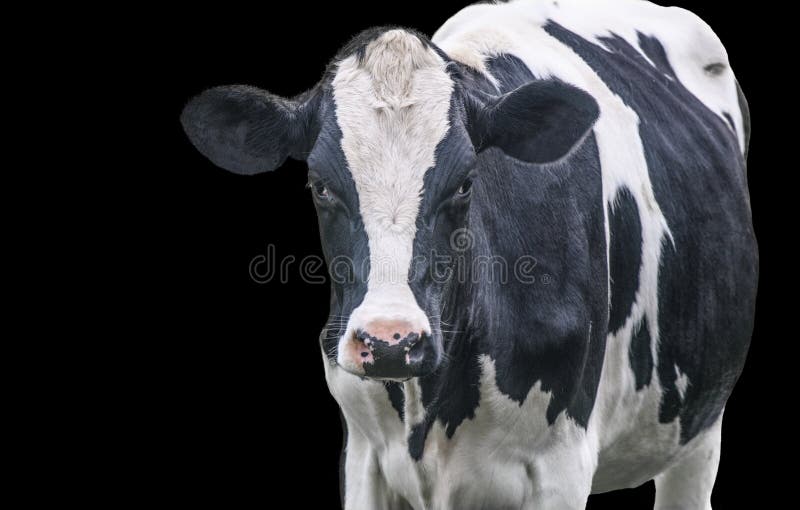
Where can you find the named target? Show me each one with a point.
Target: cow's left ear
(539, 122)
(247, 130)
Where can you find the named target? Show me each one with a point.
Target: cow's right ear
(247, 130)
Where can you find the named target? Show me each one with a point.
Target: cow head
(391, 136)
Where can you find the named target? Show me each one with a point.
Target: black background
(239, 411)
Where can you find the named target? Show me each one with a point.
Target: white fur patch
(681, 382)
(392, 108)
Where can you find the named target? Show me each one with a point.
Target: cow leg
(687, 484)
(364, 484)
(562, 477)
(362, 480)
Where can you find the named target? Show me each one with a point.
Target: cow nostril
(397, 336)
(416, 351)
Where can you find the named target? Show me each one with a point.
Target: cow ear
(247, 130)
(539, 122)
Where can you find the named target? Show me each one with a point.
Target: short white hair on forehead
(392, 60)
(392, 105)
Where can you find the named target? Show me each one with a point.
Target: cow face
(391, 137)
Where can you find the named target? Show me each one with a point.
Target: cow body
(574, 385)
(582, 166)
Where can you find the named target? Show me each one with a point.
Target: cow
(603, 144)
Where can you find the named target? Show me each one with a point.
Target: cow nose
(393, 350)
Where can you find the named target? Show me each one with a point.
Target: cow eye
(320, 190)
(465, 188)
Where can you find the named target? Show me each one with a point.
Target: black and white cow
(605, 140)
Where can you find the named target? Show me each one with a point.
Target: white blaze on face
(392, 108)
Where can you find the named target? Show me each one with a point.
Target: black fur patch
(509, 71)
(640, 354)
(344, 241)
(416, 440)
(552, 331)
(625, 256)
(397, 398)
(450, 394)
